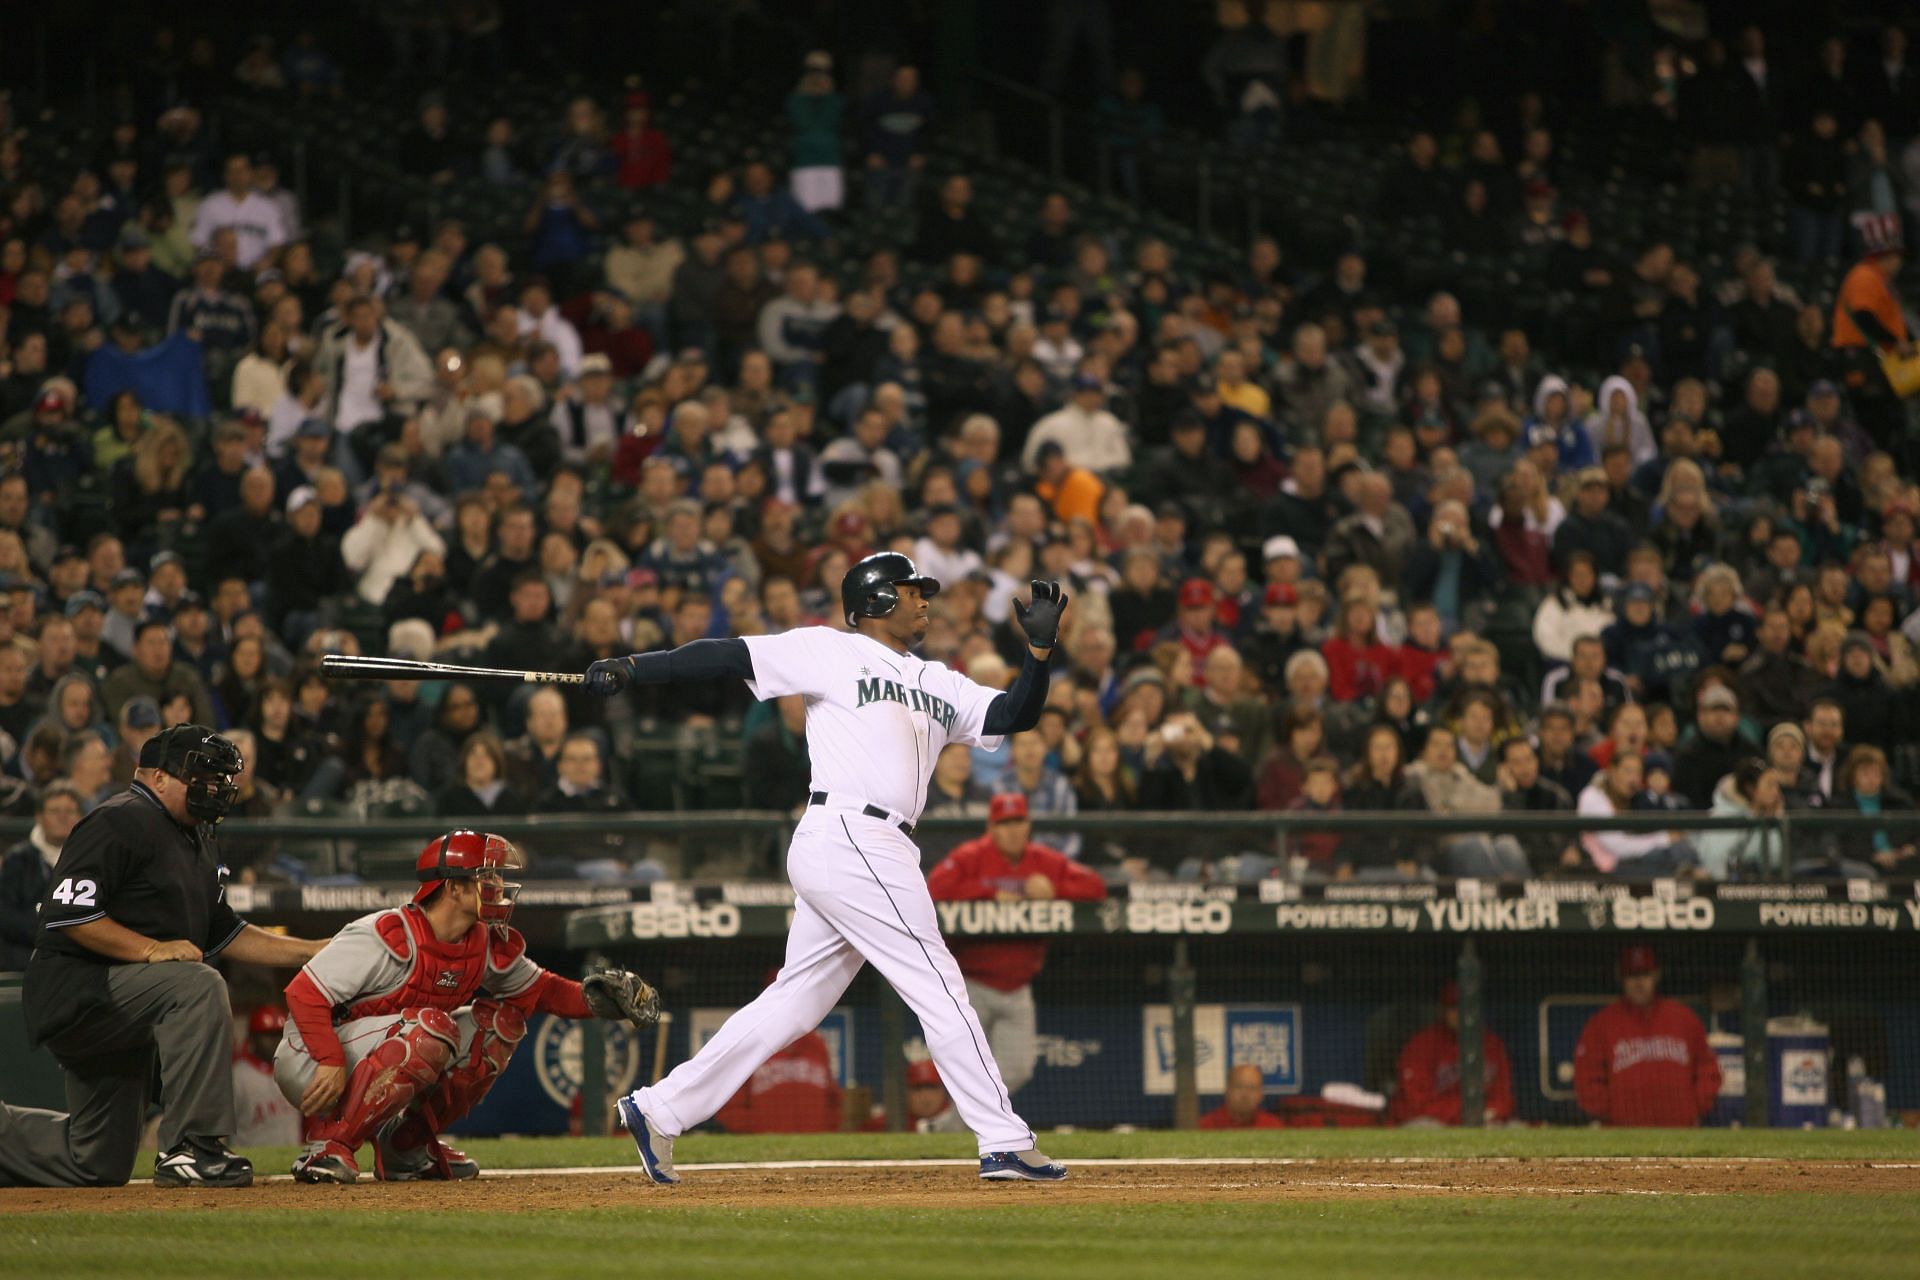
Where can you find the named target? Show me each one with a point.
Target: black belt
(871, 810)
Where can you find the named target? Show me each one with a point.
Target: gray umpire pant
(1008, 1019)
(175, 1010)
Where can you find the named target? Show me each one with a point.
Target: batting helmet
(868, 589)
(472, 855)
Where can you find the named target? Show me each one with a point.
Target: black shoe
(202, 1163)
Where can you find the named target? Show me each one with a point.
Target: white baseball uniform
(876, 721)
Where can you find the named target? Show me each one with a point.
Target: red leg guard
(414, 1056)
(497, 1032)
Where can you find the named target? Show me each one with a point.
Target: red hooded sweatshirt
(1646, 1067)
(978, 870)
(1430, 1077)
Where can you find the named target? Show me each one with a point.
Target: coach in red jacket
(1644, 1060)
(1429, 1091)
(1005, 865)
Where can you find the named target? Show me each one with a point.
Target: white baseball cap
(301, 496)
(1280, 547)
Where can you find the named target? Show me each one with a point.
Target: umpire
(135, 906)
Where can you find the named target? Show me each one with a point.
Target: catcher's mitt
(621, 996)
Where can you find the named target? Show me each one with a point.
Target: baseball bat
(340, 666)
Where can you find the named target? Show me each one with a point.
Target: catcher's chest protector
(438, 975)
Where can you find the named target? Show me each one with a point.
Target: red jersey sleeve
(312, 1012)
(1706, 1067)
(1590, 1074)
(1499, 1079)
(957, 877)
(1070, 880)
(551, 993)
(1418, 1094)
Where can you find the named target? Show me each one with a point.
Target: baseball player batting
(877, 717)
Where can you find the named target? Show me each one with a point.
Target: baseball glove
(621, 996)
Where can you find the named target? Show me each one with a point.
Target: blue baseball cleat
(1021, 1166)
(656, 1150)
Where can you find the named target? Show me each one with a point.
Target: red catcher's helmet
(472, 855)
(266, 1020)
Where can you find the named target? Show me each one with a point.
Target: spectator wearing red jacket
(1241, 1109)
(1429, 1072)
(1359, 662)
(642, 156)
(1006, 866)
(1644, 1060)
(1424, 658)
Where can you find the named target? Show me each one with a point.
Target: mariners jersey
(876, 719)
(391, 961)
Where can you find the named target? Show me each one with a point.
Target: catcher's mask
(206, 764)
(477, 856)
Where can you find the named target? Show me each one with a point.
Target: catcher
(388, 1041)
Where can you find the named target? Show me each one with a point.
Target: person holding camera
(1451, 567)
(390, 536)
(1186, 768)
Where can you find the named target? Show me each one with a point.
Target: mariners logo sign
(558, 1062)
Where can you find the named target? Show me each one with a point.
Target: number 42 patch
(75, 893)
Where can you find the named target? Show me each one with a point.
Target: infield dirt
(953, 1186)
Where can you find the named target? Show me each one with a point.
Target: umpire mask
(206, 764)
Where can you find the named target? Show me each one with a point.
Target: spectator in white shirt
(586, 416)
(940, 553)
(258, 223)
(389, 536)
(1635, 855)
(539, 315)
(1086, 430)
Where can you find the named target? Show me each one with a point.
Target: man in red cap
(1005, 865)
(263, 1116)
(1644, 1060)
(928, 1106)
(1196, 623)
(1429, 1073)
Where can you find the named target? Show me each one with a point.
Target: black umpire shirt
(130, 861)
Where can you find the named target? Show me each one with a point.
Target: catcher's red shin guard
(498, 1030)
(414, 1056)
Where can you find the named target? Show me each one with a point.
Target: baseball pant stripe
(961, 1011)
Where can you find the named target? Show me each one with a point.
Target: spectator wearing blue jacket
(771, 212)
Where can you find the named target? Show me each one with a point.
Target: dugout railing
(345, 845)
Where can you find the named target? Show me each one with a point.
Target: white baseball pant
(859, 896)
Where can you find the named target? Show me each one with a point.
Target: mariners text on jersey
(877, 689)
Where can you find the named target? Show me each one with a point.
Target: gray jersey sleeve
(356, 964)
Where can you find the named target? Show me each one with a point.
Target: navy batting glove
(609, 676)
(1041, 619)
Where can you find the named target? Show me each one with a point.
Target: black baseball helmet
(868, 589)
(206, 762)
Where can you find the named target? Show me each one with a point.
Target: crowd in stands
(1330, 549)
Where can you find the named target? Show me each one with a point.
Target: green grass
(1741, 1236)
(1798, 1144)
